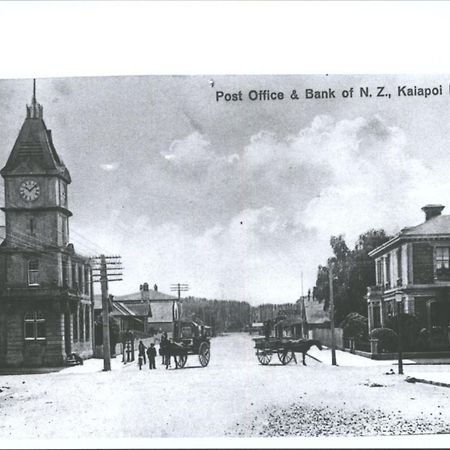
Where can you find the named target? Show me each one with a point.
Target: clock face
(29, 190)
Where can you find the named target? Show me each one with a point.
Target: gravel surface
(303, 420)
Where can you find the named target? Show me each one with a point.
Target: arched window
(33, 272)
(34, 326)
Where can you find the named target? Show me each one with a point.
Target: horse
(171, 349)
(302, 346)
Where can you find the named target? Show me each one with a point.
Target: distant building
(147, 311)
(46, 308)
(413, 271)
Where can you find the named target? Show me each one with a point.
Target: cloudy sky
(237, 199)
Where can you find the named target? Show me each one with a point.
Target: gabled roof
(435, 228)
(138, 309)
(33, 151)
(152, 296)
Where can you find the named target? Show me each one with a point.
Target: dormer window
(33, 272)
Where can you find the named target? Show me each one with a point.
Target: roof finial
(35, 110)
(34, 92)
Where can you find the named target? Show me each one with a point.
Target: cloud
(262, 215)
(110, 167)
(192, 152)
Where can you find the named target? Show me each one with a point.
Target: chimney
(144, 292)
(432, 211)
(155, 288)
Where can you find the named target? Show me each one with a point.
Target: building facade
(146, 311)
(413, 276)
(46, 304)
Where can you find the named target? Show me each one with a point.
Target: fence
(118, 349)
(324, 336)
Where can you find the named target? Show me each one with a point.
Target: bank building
(46, 302)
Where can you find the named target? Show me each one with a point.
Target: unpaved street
(233, 396)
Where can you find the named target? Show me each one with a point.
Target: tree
(353, 271)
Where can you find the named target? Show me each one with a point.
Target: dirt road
(233, 396)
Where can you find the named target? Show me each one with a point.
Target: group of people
(164, 344)
(151, 354)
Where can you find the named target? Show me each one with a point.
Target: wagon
(189, 338)
(285, 349)
(266, 347)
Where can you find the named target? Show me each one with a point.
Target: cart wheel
(180, 361)
(285, 357)
(204, 354)
(264, 356)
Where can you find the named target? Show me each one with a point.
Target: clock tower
(45, 300)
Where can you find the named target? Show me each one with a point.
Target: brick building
(46, 307)
(413, 271)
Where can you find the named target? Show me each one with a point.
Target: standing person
(163, 346)
(141, 352)
(151, 353)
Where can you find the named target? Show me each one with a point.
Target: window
(74, 276)
(379, 272)
(34, 324)
(442, 258)
(86, 280)
(33, 272)
(65, 274)
(88, 323)
(80, 277)
(82, 322)
(32, 226)
(442, 262)
(399, 266)
(75, 326)
(388, 270)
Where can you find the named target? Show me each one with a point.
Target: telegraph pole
(178, 287)
(103, 265)
(333, 339)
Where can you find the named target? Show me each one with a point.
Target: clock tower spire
(36, 181)
(35, 110)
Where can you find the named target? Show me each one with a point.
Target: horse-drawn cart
(284, 348)
(189, 338)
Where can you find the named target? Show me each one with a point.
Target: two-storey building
(46, 308)
(413, 271)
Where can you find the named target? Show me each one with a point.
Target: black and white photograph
(224, 256)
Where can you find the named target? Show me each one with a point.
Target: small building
(146, 311)
(256, 328)
(413, 276)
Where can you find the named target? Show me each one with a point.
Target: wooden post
(105, 314)
(333, 339)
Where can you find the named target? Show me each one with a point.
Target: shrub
(423, 342)
(410, 330)
(355, 326)
(387, 339)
